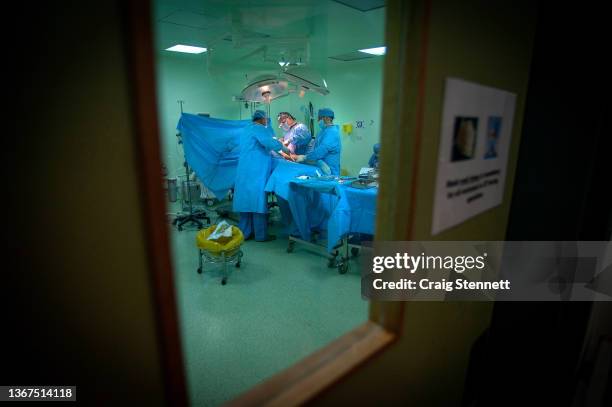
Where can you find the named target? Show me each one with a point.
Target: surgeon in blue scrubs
(327, 146)
(327, 149)
(257, 142)
(373, 162)
(296, 136)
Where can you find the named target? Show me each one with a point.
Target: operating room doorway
(90, 273)
(295, 294)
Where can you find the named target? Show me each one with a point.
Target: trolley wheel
(342, 268)
(210, 202)
(290, 246)
(199, 270)
(224, 281)
(238, 265)
(331, 263)
(354, 251)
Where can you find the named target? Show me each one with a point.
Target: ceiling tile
(189, 19)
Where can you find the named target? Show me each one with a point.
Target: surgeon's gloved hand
(300, 158)
(286, 150)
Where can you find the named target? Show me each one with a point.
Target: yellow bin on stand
(225, 250)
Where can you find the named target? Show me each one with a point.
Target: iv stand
(193, 217)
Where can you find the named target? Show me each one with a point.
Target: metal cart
(338, 258)
(219, 252)
(225, 258)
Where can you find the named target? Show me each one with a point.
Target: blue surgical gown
(373, 163)
(299, 139)
(254, 167)
(327, 148)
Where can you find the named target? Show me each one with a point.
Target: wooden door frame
(407, 25)
(141, 69)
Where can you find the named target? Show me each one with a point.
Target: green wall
(355, 95)
(497, 54)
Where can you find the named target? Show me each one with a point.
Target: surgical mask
(285, 127)
(321, 124)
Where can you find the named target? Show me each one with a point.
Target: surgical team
(258, 146)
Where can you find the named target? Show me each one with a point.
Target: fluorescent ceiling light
(187, 49)
(374, 51)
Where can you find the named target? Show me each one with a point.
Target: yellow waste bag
(223, 244)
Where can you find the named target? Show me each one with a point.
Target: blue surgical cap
(259, 114)
(326, 112)
(376, 148)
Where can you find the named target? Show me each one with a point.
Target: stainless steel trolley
(225, 258)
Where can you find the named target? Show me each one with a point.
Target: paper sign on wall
(473, 155)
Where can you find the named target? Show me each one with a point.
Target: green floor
(275, 310)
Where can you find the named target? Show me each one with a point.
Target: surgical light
(186, 49)
(267, 96)
(306, 79)
(374, 51)
(265, 88)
